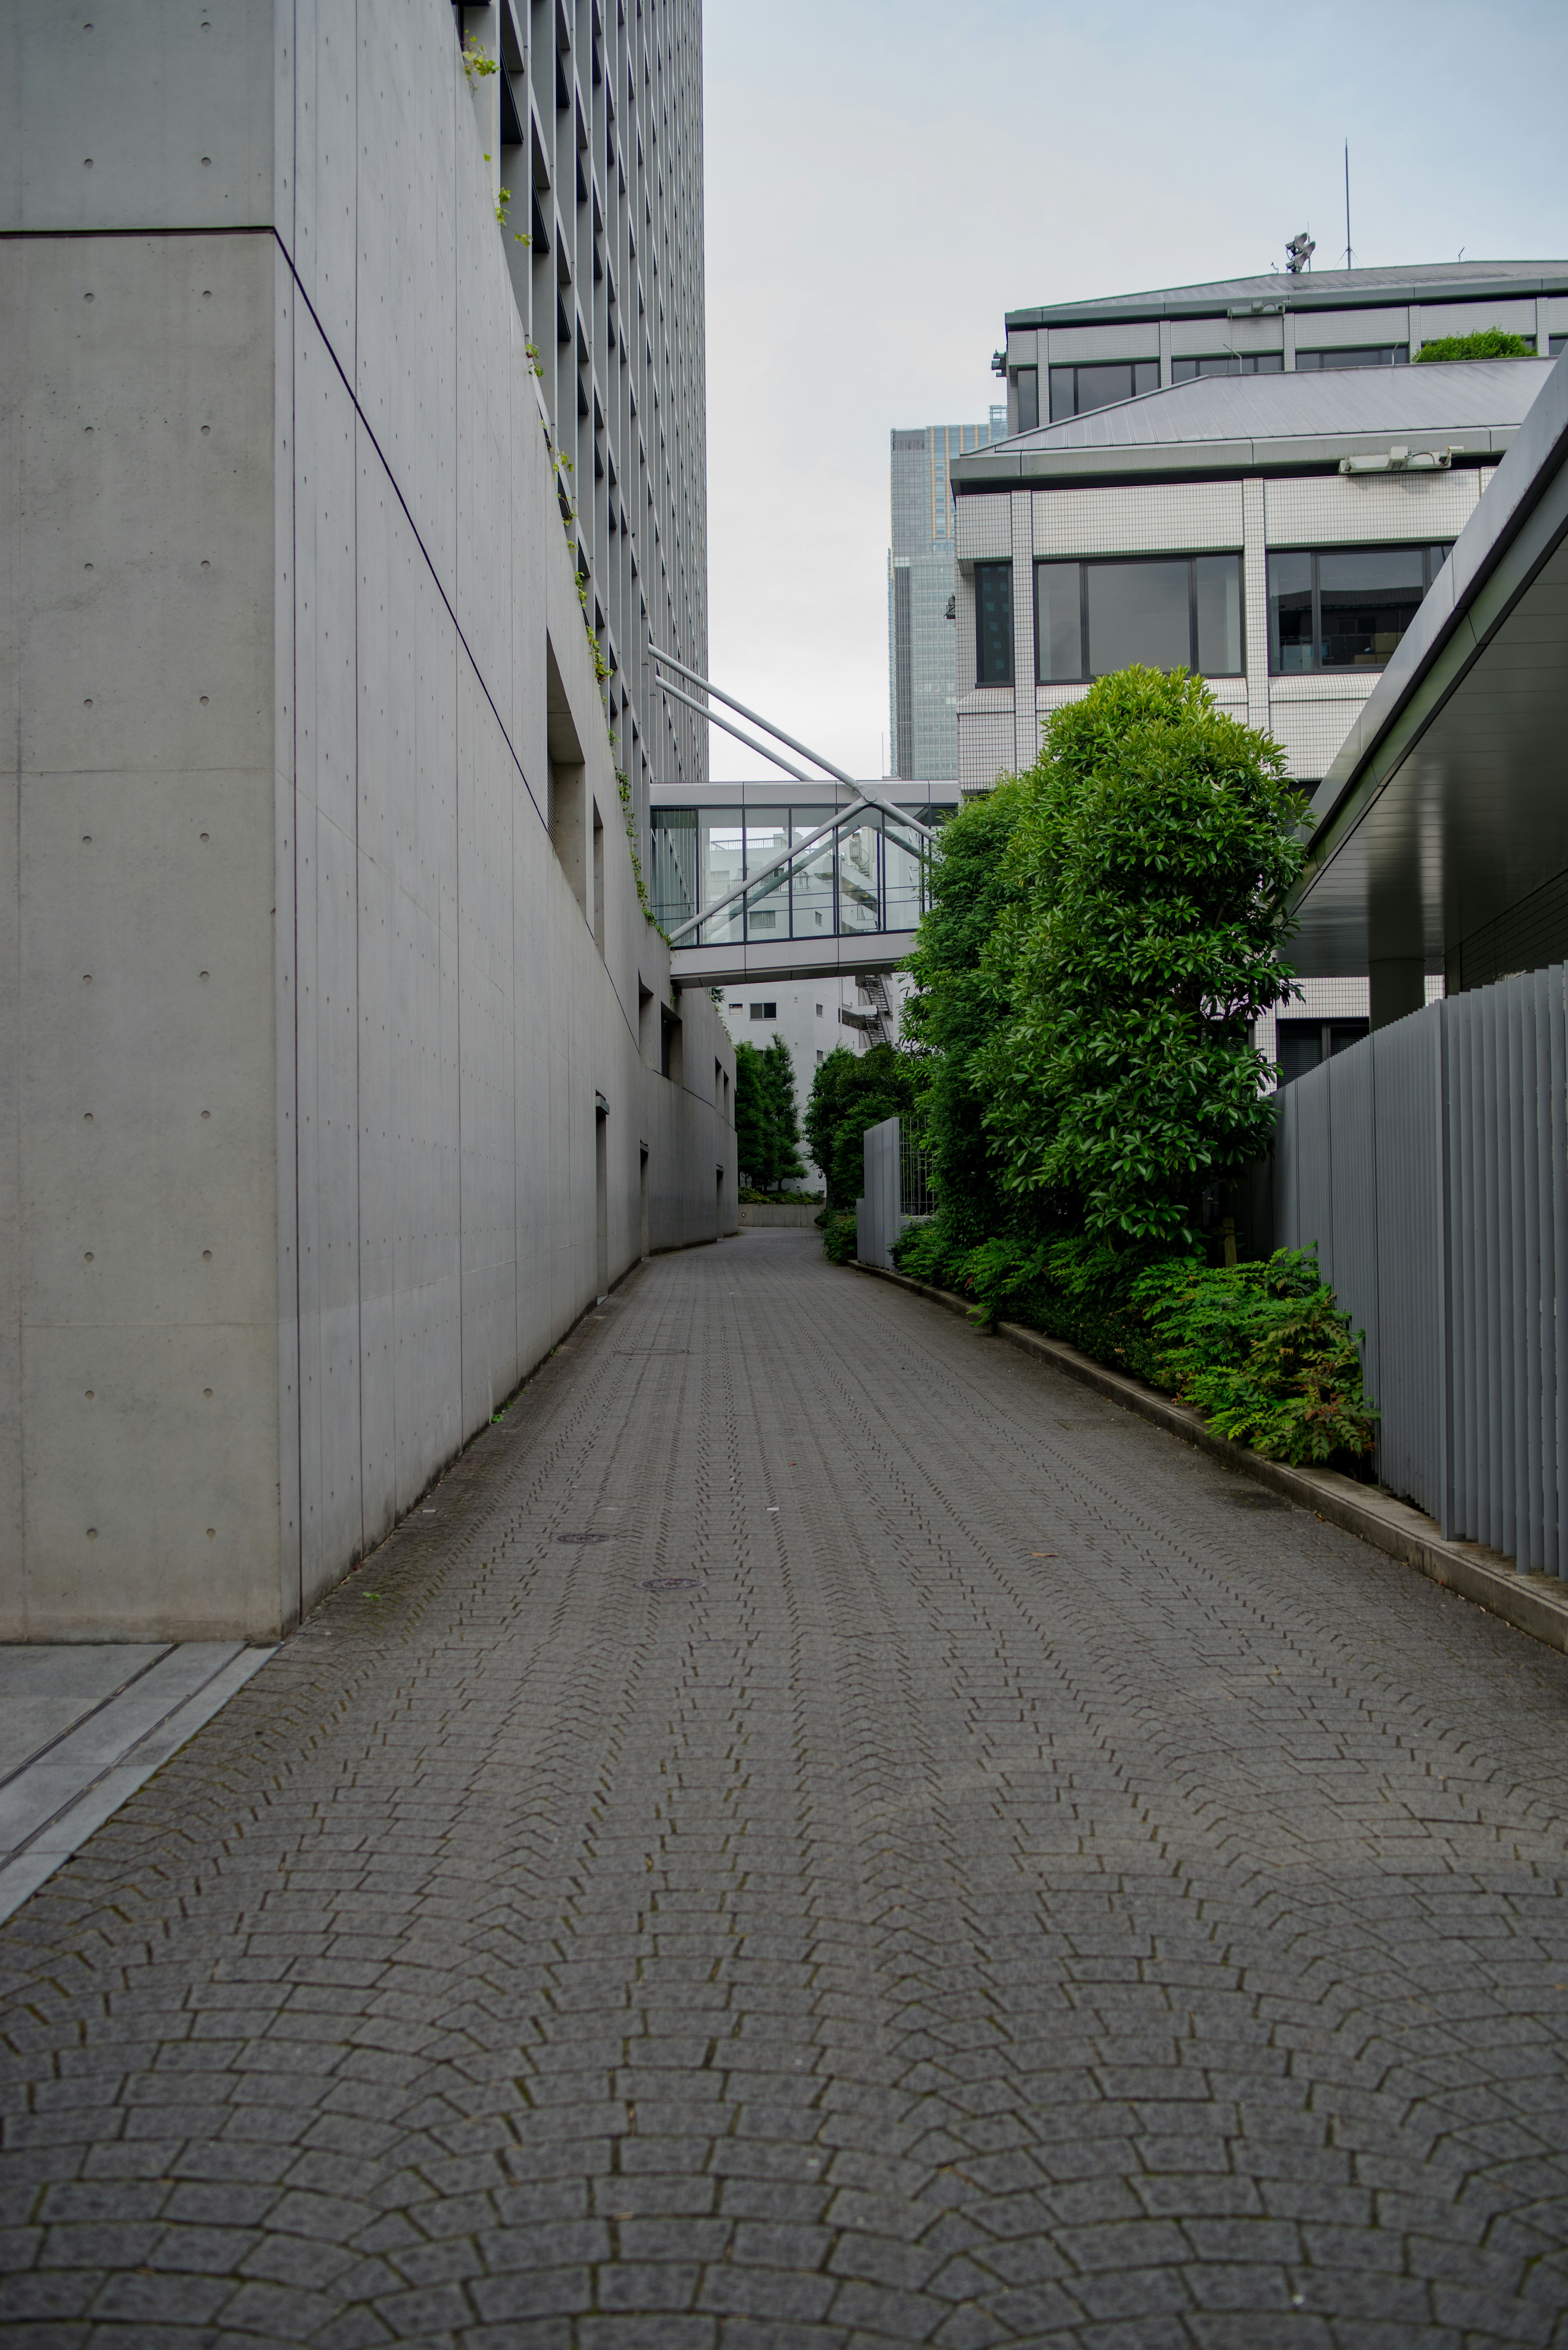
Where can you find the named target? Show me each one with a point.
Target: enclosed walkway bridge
(813, 877)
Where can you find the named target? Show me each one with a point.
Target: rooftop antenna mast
(1349, 256)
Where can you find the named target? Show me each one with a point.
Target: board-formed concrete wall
(333, 1085)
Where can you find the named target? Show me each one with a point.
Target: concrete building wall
(328, 991)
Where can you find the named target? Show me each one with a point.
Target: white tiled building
(1275, 531)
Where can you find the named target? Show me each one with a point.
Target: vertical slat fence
(1429, 1166)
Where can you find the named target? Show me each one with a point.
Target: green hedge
(839, 1234)
(1490, 343)
(1263, 1350)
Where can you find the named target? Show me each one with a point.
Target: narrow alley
(823, 1834)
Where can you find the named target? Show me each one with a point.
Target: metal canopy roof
(1312, 289)
(1448, 801)
(1271, 423)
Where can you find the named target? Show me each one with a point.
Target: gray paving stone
(903, 1936)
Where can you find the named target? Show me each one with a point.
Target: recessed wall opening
(598, 863)
(642, 1194)
(646, 1001)
(669, 1039)
(567, 811)
(601, 1199)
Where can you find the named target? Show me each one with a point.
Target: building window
(993, 623)
(1369, 355)
(1229, 363)
(1028, 398)
(822, 1056)
(1303, 1045)
(819, 1011)
(1075, 390)
(1343, 607)
(1169, 612)
(1556, 345)
(764, 1012)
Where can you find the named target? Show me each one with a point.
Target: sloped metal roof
(1313, 289)
(1239, 422)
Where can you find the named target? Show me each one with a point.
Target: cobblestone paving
(828, 1837)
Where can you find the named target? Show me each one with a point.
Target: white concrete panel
(405, 355)
(1311, 730)
(327, 1135)
(982, 527)
(146, 443)
(13, 588)
(326, 142)
(1082, 346)
(125, 115)
(1351, 509)
(1148, 519)
(285, 972)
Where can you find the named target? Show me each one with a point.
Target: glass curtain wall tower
(923, 704)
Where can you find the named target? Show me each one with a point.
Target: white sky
(886, 178)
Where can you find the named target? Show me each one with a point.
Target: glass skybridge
(869, 875)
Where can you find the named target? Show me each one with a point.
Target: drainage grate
(653, 1350)
(585, 1538)
(671, 1583)
(1256, 1502)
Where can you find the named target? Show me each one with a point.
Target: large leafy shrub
(850, 1092)
(767, 1131)
(960, 998)
(1148, 868)
(1263, 1350)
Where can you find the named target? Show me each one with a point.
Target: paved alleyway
(828, 1837)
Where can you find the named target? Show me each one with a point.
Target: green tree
(1490, 343)
(767, 1130)
(850, 1092)
(1149, 866)
(958, 1001)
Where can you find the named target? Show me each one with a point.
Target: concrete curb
(1536, 1603)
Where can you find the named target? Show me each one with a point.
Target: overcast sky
(887, 178)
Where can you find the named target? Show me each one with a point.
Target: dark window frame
(1337, 354)
(1076, 366)
(1434, 554)
(1086, 564)
(1239, 363)
(983, 570)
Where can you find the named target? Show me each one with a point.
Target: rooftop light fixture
(1398, 460)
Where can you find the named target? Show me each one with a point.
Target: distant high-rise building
(921, 692)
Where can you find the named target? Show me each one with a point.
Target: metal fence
(917, 1186)
(1429, 1164)
(879, 1218)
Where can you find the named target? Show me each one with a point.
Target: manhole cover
(1256, 1502)
(585, 1538)
(671, 1583)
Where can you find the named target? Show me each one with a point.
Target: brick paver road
(829, 1837)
